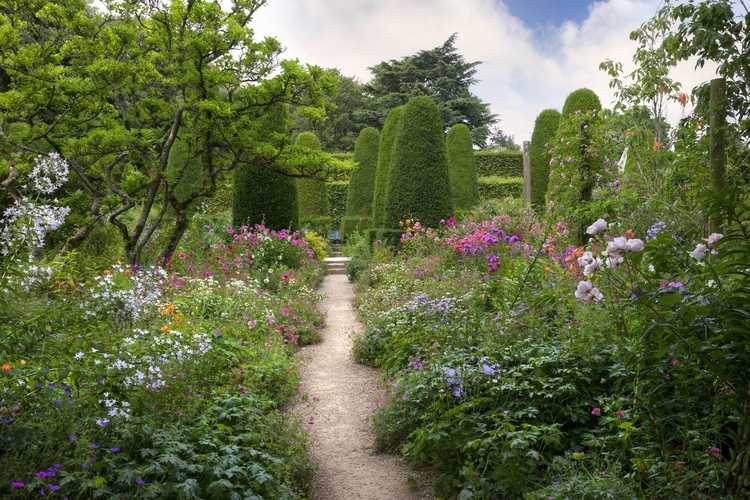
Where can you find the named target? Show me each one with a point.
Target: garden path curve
(337, 397)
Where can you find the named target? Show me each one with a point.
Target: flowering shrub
(521, 364)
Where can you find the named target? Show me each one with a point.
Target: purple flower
(53, 487)
(43, 474)
(17, 485)
(72, 438)
(493, 263)
(94, 446)
(489, 370)
(139, 482)
(115, 449)
(217, 333)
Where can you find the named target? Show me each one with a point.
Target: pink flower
(251, 324)
(620, 414)
(285, 276)
(675, 362)
(596, 411)
(715, 451)
(714, 238)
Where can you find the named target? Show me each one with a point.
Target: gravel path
(337, 396)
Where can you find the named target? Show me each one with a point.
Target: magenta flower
(17, 485)
(493, 263)
(620, 414)
(596, 411)
(715, 451)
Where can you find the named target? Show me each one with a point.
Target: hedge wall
(491, 162)
(500, 187)
(545, 128)
(337, 200)
(263, 196)
(312, 200)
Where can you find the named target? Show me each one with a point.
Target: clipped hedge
(583, 100)
(385, 149)
(312, 198)
(418, 184)
(545, 128)
(461, 167)
(362, 183)
(501, 163)
(500, 187)
(351, 224)
(337, 200)
(263, 196)
(342, 174)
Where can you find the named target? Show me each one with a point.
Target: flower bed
(161, 383)
(521, 365)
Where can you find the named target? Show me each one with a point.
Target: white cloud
(518, 77)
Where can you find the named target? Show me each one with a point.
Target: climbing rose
(599, 226)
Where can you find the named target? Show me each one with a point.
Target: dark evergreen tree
(382, 174)
(362, 183)
(312, 196)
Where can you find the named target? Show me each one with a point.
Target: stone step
(337, 260)
(336, 271)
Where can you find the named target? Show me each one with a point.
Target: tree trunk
(180, 226)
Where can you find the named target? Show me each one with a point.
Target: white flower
(599, 226)
(590, 263)
(714, 238)
(102, 422)
(50, 172)
(586, 292)
(700, 252)
(651, 268)
(635, 245)
(79, 355)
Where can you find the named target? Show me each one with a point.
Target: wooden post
(526, 174)
(717, 147)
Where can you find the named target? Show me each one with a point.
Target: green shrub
(342, 174)
(263, 196)
(362, 184)
(312, 198)
(499, 162)
(583, 100)
(391, 127)
(500, 187)
(337, 200)
(545, 128)
(418, 186)
(461, 167)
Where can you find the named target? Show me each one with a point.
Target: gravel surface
(337, 396)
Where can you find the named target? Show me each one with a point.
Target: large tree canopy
(441, 73)
(151, 103)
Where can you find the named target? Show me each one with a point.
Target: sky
(534, 52)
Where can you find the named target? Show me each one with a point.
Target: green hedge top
(499, 162)
(500, 187)
(545, 128)
(583, 100)
(419, 186)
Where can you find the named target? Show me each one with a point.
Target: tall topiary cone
(260, 194)
(545, 128)
(392, 124)
(461, 168)
(582, 100)
(362, 183)
(312, 195)
(418, 185)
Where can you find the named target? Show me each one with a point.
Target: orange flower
(177, 319)
(128, 272)
(657, 146)
(165, 329)
(682, 98)
(630, 234)
(578, 252)
(547, 269)
(6, 368)
(167, 310)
